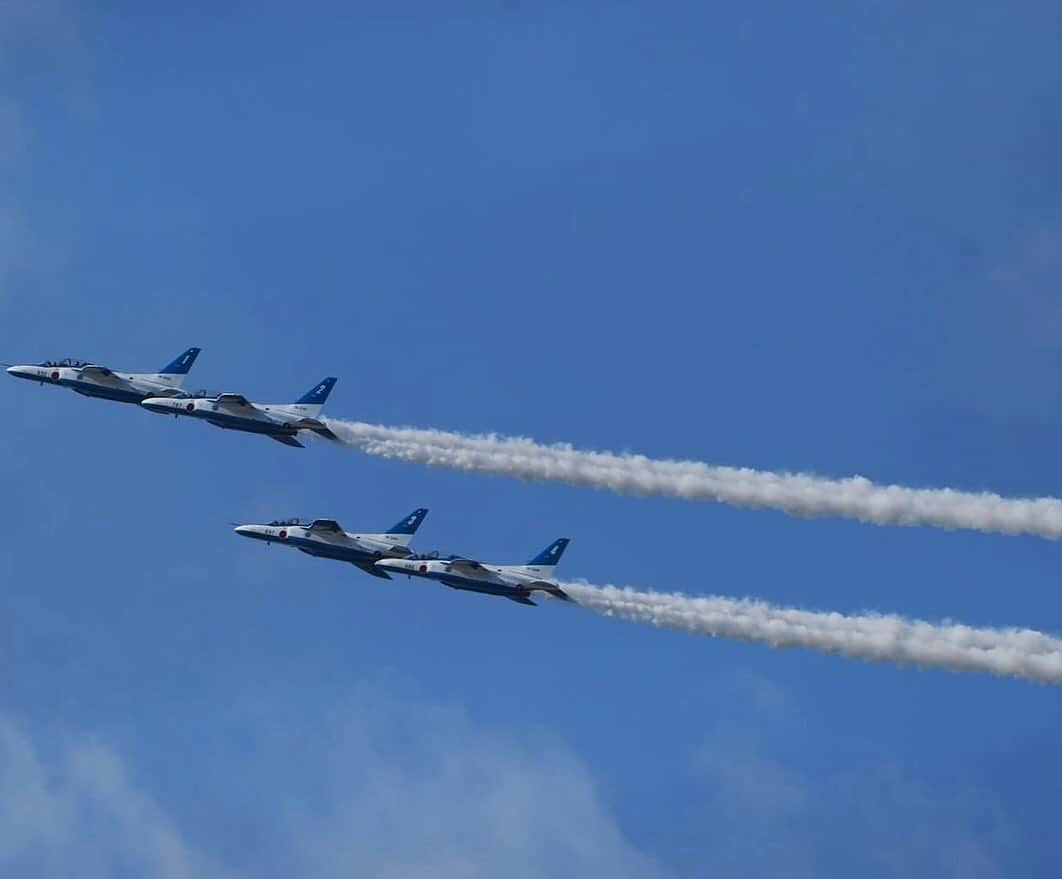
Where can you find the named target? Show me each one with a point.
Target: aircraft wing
(102, 375)
(468, 567)
(369, 568)
(94, 370)
(327, 526)
(233, 400)
(286, 440)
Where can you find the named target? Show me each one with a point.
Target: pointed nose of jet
(30, 372)
(255, 532)
(400, 566)
(167, 405)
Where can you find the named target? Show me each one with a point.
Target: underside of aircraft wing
(287, 440)
(369, 568)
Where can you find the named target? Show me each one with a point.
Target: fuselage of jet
(324, 538)
(515, 582)
(94, 380)
(279, 421)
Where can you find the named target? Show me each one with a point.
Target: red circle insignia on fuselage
(424, 569)
(55, 376)
(283, 535)
(189, 406)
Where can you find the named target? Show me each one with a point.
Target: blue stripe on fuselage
(236, 422)
(321, 549)
(484, 586)
(119, 395)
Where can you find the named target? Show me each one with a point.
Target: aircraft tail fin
(311, 402)
(546, 561)
(174, 372)
(551, 555)
(401, 533)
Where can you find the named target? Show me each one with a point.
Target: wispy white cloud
(770, 815)
(381, 788)
(76, 812)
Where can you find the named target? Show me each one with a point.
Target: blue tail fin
(550, 555)
(319, 393)
(410, 524)
(181, 364)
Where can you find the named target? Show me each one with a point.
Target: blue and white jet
(94, 380)
(325, 539)
(515, 582)
(279, 421)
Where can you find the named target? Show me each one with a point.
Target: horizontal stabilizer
(287, 440)
(318, 427)
(549, 588)
(521, 599)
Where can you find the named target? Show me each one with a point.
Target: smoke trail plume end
(1020, 653)
(795, 494)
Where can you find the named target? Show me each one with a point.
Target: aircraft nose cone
(20, 372)
(160, 404)
(256, 532)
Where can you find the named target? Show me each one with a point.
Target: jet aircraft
(515, 582)
(325, 539)
(94, 380)
(279, 421)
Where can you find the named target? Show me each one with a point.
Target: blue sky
(807, 239)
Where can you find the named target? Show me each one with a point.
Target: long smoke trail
(1021, 653)
(796, 494)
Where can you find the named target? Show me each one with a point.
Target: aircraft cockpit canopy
(432, 556)
(66, 361)
(279, 523)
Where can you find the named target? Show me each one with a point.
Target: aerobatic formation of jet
(515, 582)
(384, 554)
(94, 380)
(325, 539)
(379, 554)
(279, 421)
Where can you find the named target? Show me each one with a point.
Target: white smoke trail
(796, 494)
(1021, 653)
